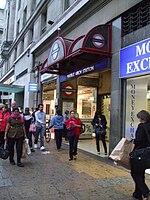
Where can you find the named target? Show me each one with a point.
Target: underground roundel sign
(68, 90)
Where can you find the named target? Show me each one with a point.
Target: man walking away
(40, 121)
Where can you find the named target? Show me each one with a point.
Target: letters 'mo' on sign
(135, 59)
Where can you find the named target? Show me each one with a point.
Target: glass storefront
(137, 98)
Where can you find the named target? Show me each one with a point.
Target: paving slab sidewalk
(53, 177)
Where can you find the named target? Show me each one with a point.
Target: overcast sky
(2, 3)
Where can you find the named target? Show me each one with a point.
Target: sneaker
(98, 153)
(35, 146)
(70, 159)
(42, 148)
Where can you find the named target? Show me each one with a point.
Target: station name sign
(135, 59)
(90, 69)
(81, 72)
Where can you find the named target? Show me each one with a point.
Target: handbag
(141, 157)
(100, 131)
(82, 129)
(4, 153)
(120, 153)
(32, 127)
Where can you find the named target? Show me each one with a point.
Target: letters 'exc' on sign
(135, 59)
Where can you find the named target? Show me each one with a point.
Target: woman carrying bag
(138, 167)
(15, 133)
(99, 122)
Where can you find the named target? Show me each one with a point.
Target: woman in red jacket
(4, 115)
(73, 131)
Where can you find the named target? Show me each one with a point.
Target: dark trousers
(29, 137)
(102, 138)
(19, 146)
(2, 141)
(58, 137)
(73, 145)
(138, 175)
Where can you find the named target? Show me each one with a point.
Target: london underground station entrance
(83, 68)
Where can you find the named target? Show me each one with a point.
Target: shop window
(86, 101)
(47, 109)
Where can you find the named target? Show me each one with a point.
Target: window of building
(25, 16)
(31, 34)
(19, 4)
(22, 46)
(33, 5)
(66, 4)
(18, 27)
(136, 18)
(43, 21)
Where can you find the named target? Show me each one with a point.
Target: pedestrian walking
(4, 115)
(40, 121)
(141, 141)
(15, 133)
(73, 130)
(99, 121)
(57, 123)
(28, 120)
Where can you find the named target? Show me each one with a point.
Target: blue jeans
(40, 131)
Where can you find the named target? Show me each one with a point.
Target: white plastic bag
(26, 148)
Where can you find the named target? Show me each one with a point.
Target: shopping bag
(26, 148)
(32, 127)
(121, 152)
(4, 153)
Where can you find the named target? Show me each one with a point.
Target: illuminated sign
(33, 87)
(135, 59)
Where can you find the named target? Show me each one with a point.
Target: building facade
(87, 80)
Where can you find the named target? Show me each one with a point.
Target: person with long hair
(57, 123)
(28, 120)
(15, 134)
(141, 141)
(100, 121)
(73, 130)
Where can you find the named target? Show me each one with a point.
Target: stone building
(67, 54)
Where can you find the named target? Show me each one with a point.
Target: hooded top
(57, 122)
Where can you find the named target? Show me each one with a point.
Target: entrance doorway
(93, 93)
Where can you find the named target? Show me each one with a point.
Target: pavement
(53, 177)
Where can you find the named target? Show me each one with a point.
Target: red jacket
(3, 120)
(76, 129)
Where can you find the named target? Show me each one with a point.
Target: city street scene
(75, 99)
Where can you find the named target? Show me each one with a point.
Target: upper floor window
(33, 5)
(136, 17)
(43, 21)
(25, 16)
(19, 4)
(18, 26)
(66, 4)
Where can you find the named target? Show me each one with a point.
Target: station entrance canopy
(66, 55)
(11, 88)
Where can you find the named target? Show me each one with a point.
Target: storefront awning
(11, 88)
(66, 56)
